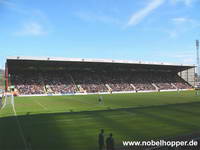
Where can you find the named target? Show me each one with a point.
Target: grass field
(73, 122)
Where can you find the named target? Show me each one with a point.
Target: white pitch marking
(20, 127)
(41, 105)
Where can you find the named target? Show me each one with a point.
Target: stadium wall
(122, 92)
(188, 75)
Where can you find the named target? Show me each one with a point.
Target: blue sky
(146, 30)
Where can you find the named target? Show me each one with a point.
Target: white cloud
(189, 61)
(188, 57)
(184, 56)
(141, 14)
(96, 17)
(14, 7)
(35, 27)
(180, 20)
(34, 13)
(32, 29)
(182, 25)
(173, 33)
(190, 22)
(186, 2)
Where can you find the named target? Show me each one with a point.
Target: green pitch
(73, 122)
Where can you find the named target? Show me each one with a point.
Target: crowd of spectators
(182, 85)
(90, 81)
(62, 82)
(58, 83)
(28, 83)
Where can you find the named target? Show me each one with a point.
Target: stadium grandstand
(64, 76)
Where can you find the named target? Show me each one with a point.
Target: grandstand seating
(58, 82)
(62, 82)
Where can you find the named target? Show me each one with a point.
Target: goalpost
(10, 104)
(9, 100)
